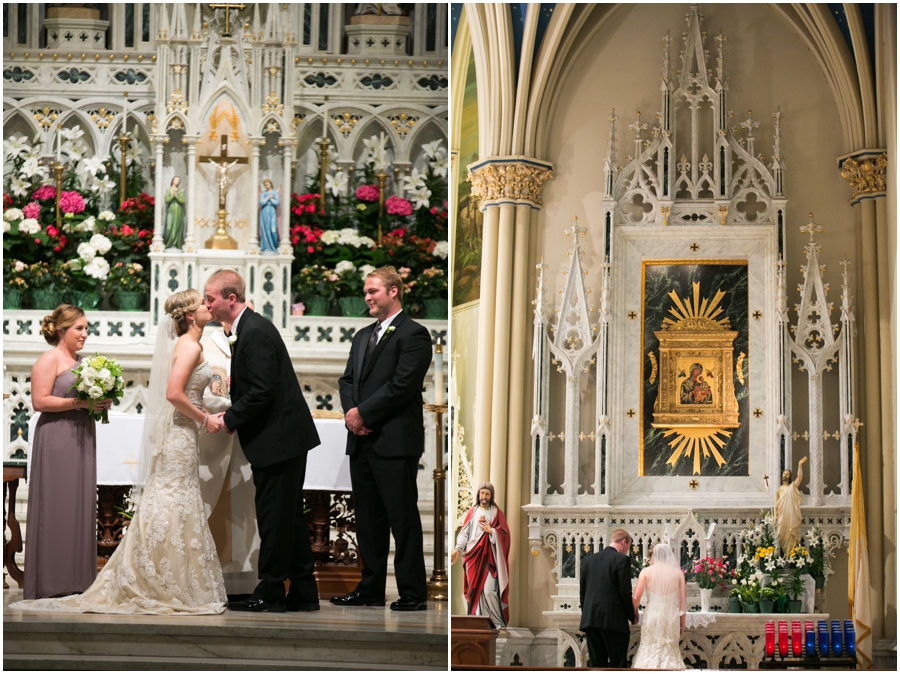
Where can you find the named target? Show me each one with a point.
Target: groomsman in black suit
(606, 607)
(276, 431)
(381, 393)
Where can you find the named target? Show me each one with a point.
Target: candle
(325, 119)
(439, 373)
(381, 150)
(59, 143)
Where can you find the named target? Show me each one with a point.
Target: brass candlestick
(382, 177)
(437, 584)
(323, 160)
(58, 171)
(123, 144)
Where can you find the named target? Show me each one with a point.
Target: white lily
(420, 197)
(414, 181)
(336, 182)
(19, 186)
(104, 185)
(32, 168)
(432, 149)
(92, 165)
(134, 154)
(439, 166)
(73, 133)
(15, 146)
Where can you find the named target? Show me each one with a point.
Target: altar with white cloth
(326, 492)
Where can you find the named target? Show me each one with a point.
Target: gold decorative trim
(521, 182)
(866, 176)
(654, 368)
(739, 367)
(693, 441)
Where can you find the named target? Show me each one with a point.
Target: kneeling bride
(167, 562)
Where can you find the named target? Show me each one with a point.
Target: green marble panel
(660, 279)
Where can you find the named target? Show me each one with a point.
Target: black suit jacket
(388, 390)
(267, 409)
(606, 591)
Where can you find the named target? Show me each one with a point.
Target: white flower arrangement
(12, 214)
(330, 237)
(29, 226)
(441, 250)
(106, 216)
(97, 268)
(365, 270)
(344, 266)
(86, 251)
(101, 243)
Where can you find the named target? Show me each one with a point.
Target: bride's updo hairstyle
(181, 304)
(62, 318)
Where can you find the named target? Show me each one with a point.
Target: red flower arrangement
(44, 192)
(32, 210)
(398, 206)
(7, 201)
(367, 193)
(71, 202)
(138, 211)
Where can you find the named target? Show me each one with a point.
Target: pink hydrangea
(44, 192)
(71, 202)
(32, 210)
(398, 206)
(367, 193)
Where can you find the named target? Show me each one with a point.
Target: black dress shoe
(407, 604)
(256, 605)
(292, 604)
(356, 599)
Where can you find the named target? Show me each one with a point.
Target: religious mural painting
(695, 390)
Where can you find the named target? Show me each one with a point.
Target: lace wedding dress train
(167, 562)
(660, 634)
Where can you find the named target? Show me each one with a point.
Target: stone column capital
(509, 180)
(865, 171)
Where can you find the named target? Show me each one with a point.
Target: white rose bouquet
(98, 378)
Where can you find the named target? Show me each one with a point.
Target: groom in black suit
(381, 393)
(606, 607)
(276, 430)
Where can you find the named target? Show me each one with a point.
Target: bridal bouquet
(98, 378)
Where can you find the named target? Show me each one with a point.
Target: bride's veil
(158, 416)
(666, 576)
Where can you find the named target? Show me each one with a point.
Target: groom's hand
(216, 423)
(354, 422)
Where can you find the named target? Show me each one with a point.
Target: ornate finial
(667, 41)
(750, 124)
(637, 126)
(575, 230)
(611, 143)
(778, 114)
(720, 47)
(811, 228)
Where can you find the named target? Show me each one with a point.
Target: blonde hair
(62, 318)
(389, 277)
(181, 304)
(229, 283)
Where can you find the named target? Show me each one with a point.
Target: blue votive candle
(823, 638)
(810, 643)
(837, 638)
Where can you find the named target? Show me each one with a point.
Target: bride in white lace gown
(662, 622)
(167, 562)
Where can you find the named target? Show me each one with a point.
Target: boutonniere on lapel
(389, 330)
(232, 339)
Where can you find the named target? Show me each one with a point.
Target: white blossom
(12, 214)
(6, 227)
(72, 134)
(336, 182)
(330, 237)
(365, 270)
(101, 243)
(88, 225)
(15, 146)
(344, 266)
(103, 186)
(439, 166)
(92, 165)
(441, 250)
(97, 268)
(414, 181)
(107, 216)
(420, 197)
(95, 392)
(29, 226)
(432, 149)
(366, 241)
(32, 167)
(86, 251)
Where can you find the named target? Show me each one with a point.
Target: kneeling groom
(381, 393)
(276, 431)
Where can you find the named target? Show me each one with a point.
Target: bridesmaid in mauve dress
(61, 538)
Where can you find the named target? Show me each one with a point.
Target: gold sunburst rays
(695, 442)
(694, 312)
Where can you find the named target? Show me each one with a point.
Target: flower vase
(705, 596)
(12, 298)
(130, 300)
(85, 300)
(734, 605)
(751, 608)
(794, 606)
(766, 606)
(820, 582)
(353, 306)
(781, 604)
(45, 300)
(316, 306)
(435, 308)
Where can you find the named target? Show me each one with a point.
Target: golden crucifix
(221, 240)
(227, 6)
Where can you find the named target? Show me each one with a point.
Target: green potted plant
(129, 283)
(48, 285)
(799, 561)
(767, 600)
(316, 287)
(350, 288)
(15, 284)
(815, 541)
(431, 289)
(734, 599)
(750, 595)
